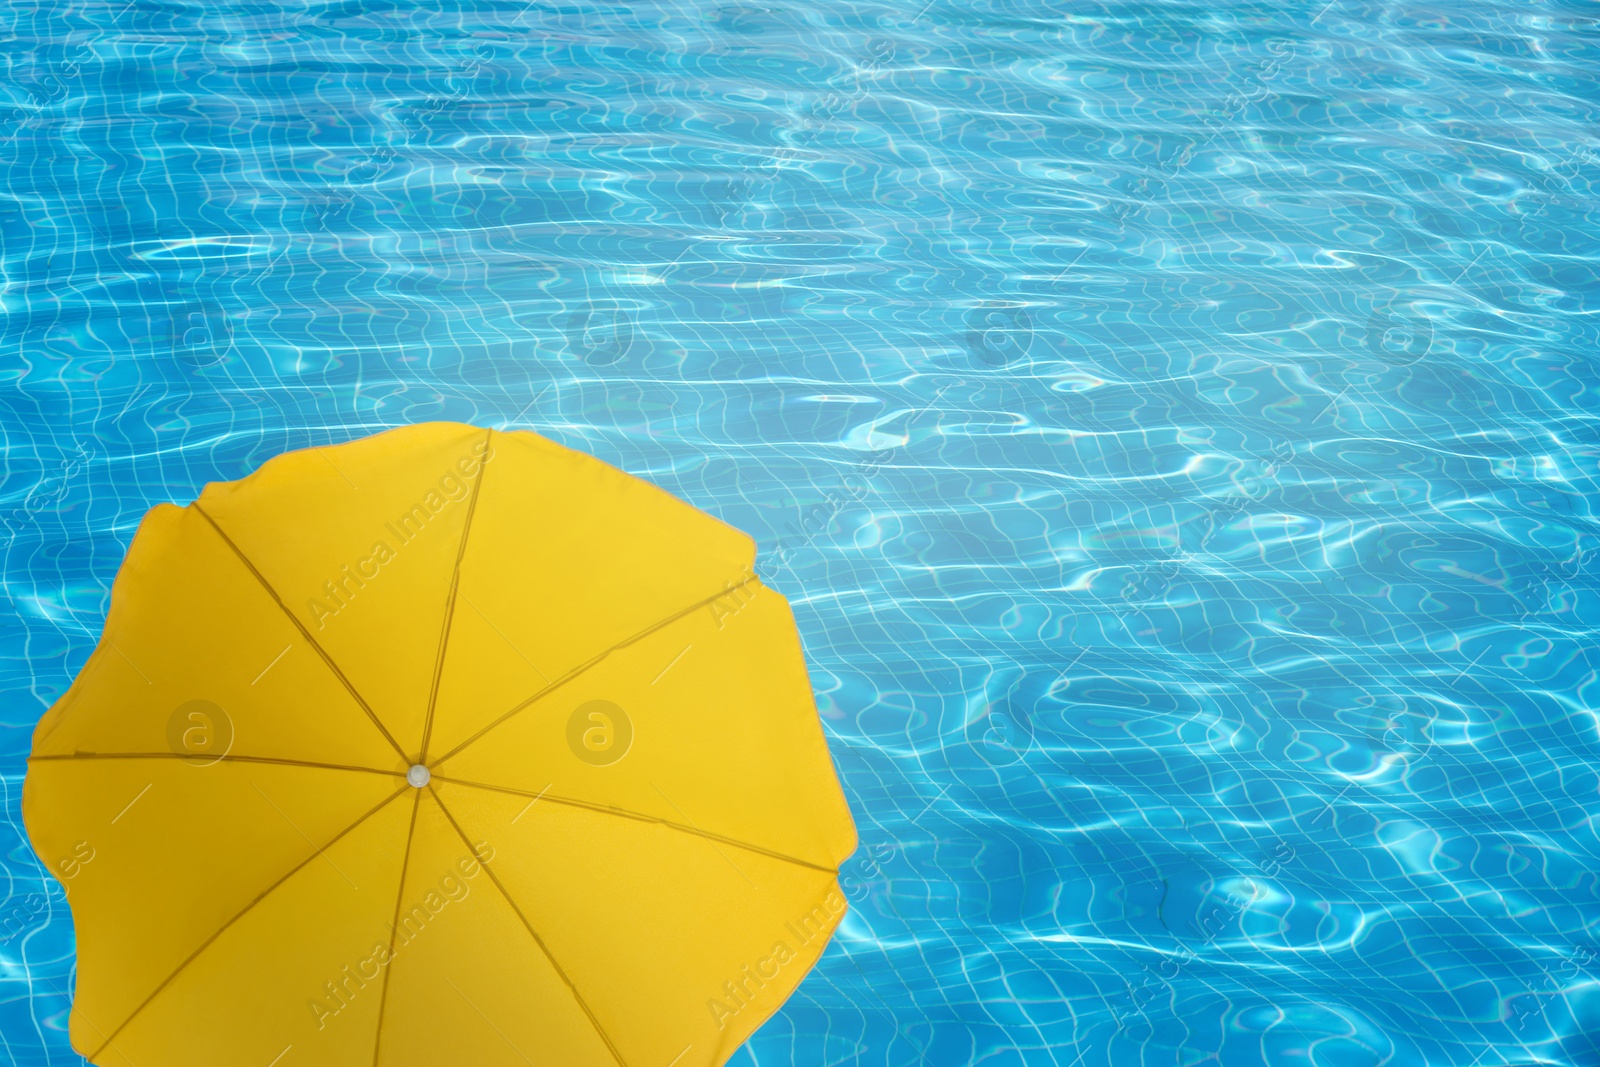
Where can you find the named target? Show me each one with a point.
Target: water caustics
(1174, 426)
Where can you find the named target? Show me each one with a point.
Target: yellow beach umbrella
(444, 746)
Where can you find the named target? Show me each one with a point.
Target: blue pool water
(1176, 427)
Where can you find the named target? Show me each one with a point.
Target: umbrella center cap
(418, 775)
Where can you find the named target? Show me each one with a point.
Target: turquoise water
(1175, 425)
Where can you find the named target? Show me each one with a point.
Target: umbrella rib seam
(624, 813)
(394, 926)
(208, 942)
(298, 625)
(268, 760)
(450, 601)
(585, 667)
(526, 925)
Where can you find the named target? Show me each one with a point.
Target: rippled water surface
(1175, 426)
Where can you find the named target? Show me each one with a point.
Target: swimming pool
(1175, 427)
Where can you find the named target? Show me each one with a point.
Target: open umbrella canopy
(443, 746)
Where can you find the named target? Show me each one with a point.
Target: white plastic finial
(418, 775)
